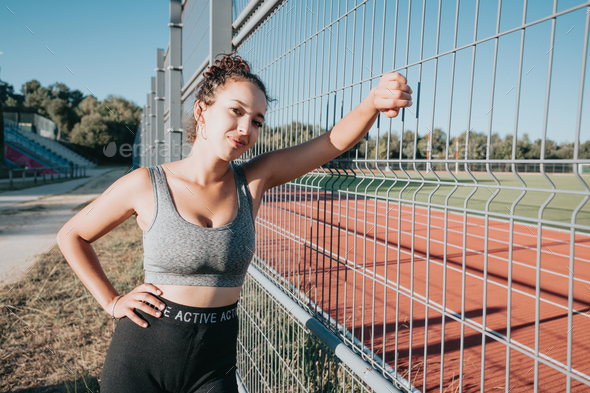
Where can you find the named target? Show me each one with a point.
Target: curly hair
(230, 68)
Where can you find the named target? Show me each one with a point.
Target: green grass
(559, 209)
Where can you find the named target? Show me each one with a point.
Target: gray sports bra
(180, 253)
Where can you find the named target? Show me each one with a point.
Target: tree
(60, 90)
(523, 147)
(87, 106)
(393, 152)
(534, 150)
(584, 151)
(36, 96)
(6, 90)
(502, 149)
(121, 116)
(91, 131)
(11, 103)
(113, 120)
(408, 149)
(61, 112)
(438, 144)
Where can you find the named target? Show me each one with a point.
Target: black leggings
(187, 349)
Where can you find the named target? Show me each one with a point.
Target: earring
(202, 126)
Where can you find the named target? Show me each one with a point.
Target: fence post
(147, 132)
(159, 102)
(174, 135)
(10, 176)
(35, 176)
(24, 170)
(152, 133)
(220, 23)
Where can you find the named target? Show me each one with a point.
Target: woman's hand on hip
(135, 299)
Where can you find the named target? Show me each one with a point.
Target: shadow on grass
(88, 384)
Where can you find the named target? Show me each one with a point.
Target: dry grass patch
(54, 334)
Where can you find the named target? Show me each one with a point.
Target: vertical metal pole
(429, 152)
(513, 207)
(159, 101)
(542, 208)
(220, 27)
(146, 140)
(487, 208)
(456, 155)
(152, 138)
(572, 242)
(175, 134)
(144, 134)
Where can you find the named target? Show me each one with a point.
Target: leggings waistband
(186, 315)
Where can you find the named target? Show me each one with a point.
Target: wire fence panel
(277, 353)
(450, 247)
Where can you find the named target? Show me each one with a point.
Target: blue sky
(110, 46)
(346, 60)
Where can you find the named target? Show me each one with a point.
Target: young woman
(178, 331)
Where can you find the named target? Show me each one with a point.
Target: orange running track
(340, 253)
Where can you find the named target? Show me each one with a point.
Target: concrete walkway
(31, 218)
(9, 198)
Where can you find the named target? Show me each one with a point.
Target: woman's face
(232, 123)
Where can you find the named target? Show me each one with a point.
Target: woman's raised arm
(110, 209)
(283, 165)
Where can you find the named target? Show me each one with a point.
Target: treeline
(388, 146)
(81, 120)
(473, 144)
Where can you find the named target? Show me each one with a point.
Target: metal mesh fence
(445, 247)
(277, 353)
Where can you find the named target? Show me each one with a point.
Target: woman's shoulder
(136, 183)
(136, 188)
(253, 177)
(244, 170)
(137, 177)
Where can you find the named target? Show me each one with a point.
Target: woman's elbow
(64, 233)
